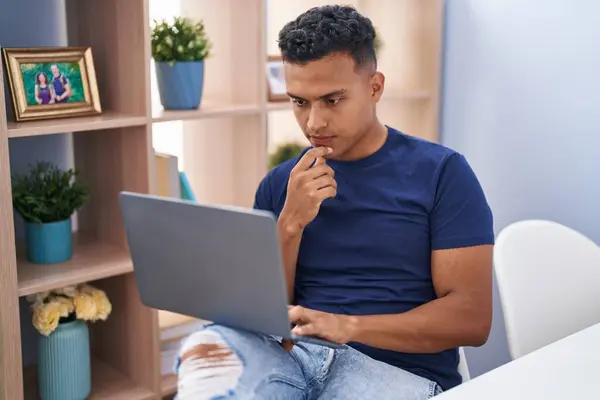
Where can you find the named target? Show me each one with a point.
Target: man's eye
(298, 102)
(333, 101)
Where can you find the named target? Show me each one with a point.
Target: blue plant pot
(49, 243)
(180, 85)
(64, 365)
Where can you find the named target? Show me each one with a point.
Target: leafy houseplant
(46, 197)
(61, 317)
(179, 49)
(377, 42)
(285, 152)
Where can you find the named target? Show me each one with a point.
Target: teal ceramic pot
(64, 366)
(180, 85)
(49, 243)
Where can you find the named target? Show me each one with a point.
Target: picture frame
(275, 79)
(52, 82)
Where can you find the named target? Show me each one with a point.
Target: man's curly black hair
(324, 30)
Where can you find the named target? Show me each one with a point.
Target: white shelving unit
(225, 153)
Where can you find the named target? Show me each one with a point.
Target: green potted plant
(179, 50)
(285, 152)
(377, 42)
(46, 197)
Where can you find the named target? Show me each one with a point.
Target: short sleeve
(461, 216)
(263, 199)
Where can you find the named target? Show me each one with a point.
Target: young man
(62, 86)
(387, 243)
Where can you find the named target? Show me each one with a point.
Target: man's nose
(316, 119)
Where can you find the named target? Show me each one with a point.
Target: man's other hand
(333, 327)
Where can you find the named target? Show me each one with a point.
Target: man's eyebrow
(330, 94)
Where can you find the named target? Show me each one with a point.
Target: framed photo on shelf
(52, 82)
(276, 79)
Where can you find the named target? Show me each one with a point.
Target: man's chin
(335, 155)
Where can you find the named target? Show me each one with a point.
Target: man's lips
(323, 140)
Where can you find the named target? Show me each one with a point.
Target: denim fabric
(267, 371)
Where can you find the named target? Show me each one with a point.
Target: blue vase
(64, 366)
(49, 243)
(180, 85)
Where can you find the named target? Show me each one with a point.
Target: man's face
(54, 69)
(334, 102)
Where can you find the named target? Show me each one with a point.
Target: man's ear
(377, 85)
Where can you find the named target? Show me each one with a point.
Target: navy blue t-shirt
(368, 251)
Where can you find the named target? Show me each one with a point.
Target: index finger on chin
(311, 156)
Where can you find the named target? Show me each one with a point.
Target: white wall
(522, 101)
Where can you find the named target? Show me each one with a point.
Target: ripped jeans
(222, 363)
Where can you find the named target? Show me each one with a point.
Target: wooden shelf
(224, 153)
(107, 384)
(167, 319)
(214, 110)
(91, 261)
(168, 385)
(108, 120)
(416, 95)
(279, 105)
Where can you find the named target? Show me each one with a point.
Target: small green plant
(48, 194)
(377, 42)
(285, 152)
(181, 40)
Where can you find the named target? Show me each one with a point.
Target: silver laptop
(217, 263)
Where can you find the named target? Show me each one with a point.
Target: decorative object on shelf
(378, 42)
(46, 197)
(276, 79)
(285, 152)
(52, 82)
(61, 317)
(179, 50)
(186, 187)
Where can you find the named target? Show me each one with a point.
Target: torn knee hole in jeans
(208, 368)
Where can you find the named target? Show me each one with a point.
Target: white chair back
(463, 367)
(548, 277)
